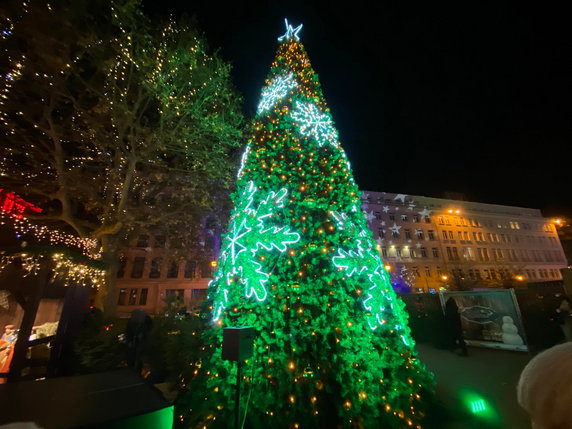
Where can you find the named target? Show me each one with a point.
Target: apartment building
(151, 273)
(427, 242)
(438, 242)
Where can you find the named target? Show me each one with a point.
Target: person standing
(564, 317)
(544, 389)
(454, 327)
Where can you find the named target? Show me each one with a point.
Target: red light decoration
(14, 205)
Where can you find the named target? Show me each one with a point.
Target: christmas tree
(299, 264)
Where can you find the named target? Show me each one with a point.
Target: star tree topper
(291, 32)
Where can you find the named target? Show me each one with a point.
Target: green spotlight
(478, 406)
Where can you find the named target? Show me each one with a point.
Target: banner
(490, 318)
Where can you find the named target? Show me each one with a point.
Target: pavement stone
(486, 373)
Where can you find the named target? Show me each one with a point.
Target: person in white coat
(544, 389)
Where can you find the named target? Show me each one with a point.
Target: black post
(237, 400)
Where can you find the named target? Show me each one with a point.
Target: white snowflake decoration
(276, 90)
(314, 123)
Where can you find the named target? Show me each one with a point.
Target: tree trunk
(106, 297)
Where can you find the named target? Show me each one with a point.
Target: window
(412, 252)
(159, 241)
(198, 295)
(427, 272)
(206, 269)
(209, 242)
(122, 297)
(435, 252)
(467, 253)
(487, 275)
(143, 296)
(384, 252)
(391, 216)
(381, 232)
(173, 271)
(416, 272)
(121, 268)
(143, 241)
(445, 236)
(459, 235)
(133, 297)
(441, 220)
(398, 252)
(449, 253)
(455, 253)
(451, 235)
(137, 268)
(419, 234)
(155, 271)
(210, 223)
(175, 295)
(466, 236)
(416, 218)
(423, 251)
(486, 254)
(427, 219)
(190, 268)
(408, 234)
(377, 215)
(478, 274)
(431, 234)
(395, 234)
(404, 217)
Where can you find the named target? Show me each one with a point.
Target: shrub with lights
(299, 264)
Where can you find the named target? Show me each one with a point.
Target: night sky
(428, 98)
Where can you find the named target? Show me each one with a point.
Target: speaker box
(237, 343)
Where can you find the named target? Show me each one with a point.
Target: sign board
(490, 318)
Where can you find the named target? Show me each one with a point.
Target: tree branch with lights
(113, 126)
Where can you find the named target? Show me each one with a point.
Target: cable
(248, 399)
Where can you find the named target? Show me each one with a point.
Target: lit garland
(70, 272)
(64, 269)
(22, 226)
(315, 124)
(252, 231)
(300, 265)
(276, 90)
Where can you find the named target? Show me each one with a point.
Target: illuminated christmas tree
(299, 264)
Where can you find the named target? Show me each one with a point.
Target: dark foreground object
(117, 399)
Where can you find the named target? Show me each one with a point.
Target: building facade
(151, 274)
(428, 243)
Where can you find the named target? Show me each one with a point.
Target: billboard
(490, 318)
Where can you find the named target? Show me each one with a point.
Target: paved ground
(486, 381)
